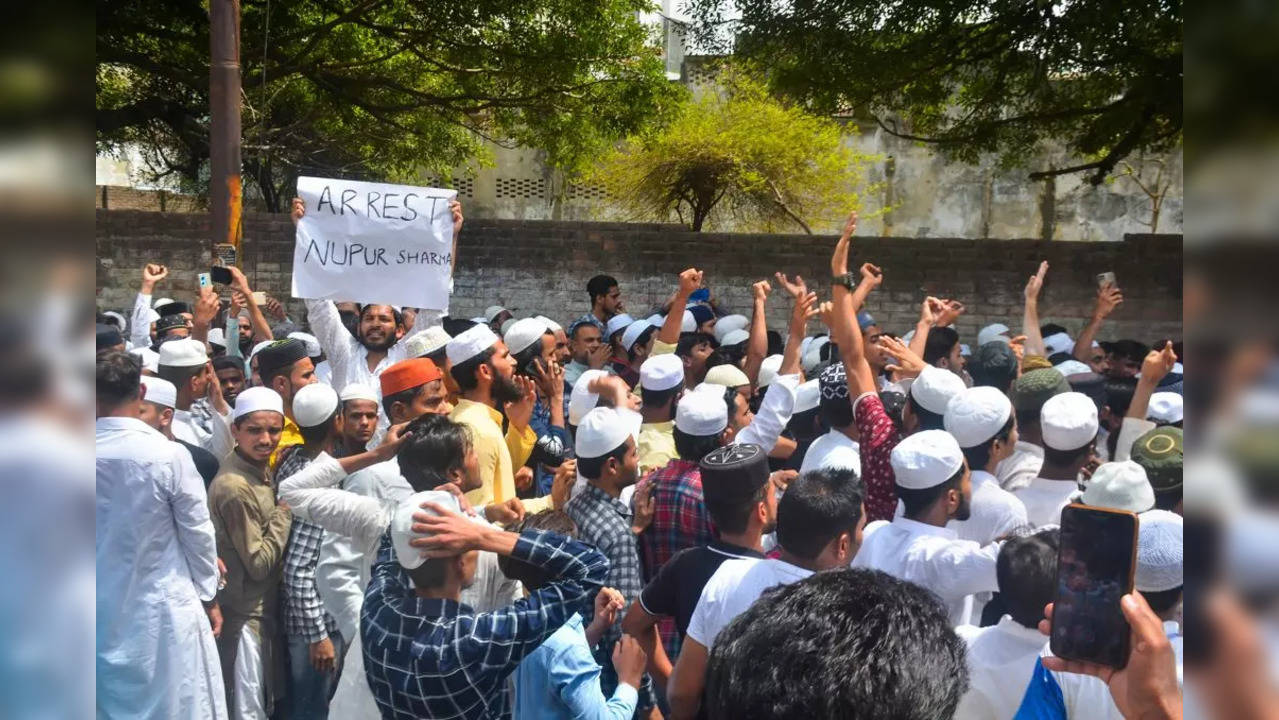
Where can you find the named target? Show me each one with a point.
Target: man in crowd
(157, 411)
(587, 350)
(838, 447)
(606, 301)
(230, 372)
(199, 417)
(1069, 427)
(1029, 393)
(981, 419)
(285, 368)
(252, 531)
(532, 345)
(359, 418)
(157, 570)
(661, 386)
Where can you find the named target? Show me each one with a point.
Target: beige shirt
(656, 445)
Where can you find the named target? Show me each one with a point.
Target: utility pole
(225, 196)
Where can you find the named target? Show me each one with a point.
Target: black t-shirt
(205, 462)
(678, 585)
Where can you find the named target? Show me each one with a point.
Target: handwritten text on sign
(374, 243)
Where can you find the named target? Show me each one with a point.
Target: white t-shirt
(995, 511)
(732, 589)
(1044, 499)
(1019, 469)
(834, 449)
(1001, 660)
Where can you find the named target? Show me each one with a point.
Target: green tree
(380, 89)
(736, 155)
(970, 77)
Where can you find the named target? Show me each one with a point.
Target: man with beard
(485, 373)
(359, 417)
(935, 487)
(380, 334)
(285, 368)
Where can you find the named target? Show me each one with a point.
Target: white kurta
(213, 435)
(156, 562)
(1019, 469)
(1045, 498)
(1001, 660)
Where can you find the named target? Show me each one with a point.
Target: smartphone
(1106, 279)
(204, 280)
(1095, 563)
(532, 367)
(259, 297)
(220, 275)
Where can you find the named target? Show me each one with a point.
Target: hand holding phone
(220, 275)
(1095, 564)
(1106, 279)
(204, 280)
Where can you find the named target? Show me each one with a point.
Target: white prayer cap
(976, 415)
(805, 344)
(1071, 367)
(523, 333)
(160, 391)
(1120, 486)
(426, 342)
(707, 386)
(689, 323)
(1160, 551)
(661, 372)
(616, 324)
(479, 319)
(734, 337)
(701, 414)
(581, 400)
(1069, 421)
(493, 311)
(633, 331)
(150, 358)
(1058, 342)
(1165, 408)
(603, 430)
(768, 370)
(991, 333)
(471, 342)
(934, 388)
(314, 404)
(116, 319)
(310, 341)
(730, 376)
(550, 324)
(506, 325)
(657, 319)
(808, 395)
(812, 356)
(257, 398)
(926, 459)
(184, 352)
(357, 391)
(727, 324)
(161, 301)
(217, 336)
(402, 524)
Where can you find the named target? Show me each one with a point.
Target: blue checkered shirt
(433, 658)
(304, 614)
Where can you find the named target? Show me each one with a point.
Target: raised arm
(802, 309)
(757, 343)
(1030, 313)
(1108, 298)
(929, 309)
(261, 329)
(848, 335)
(1154, 369)
(689, 281)
(140, 320)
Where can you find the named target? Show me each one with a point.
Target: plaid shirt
(542, 427)
(304, 614)
(433, 658)
(680, 520)
(879, 435)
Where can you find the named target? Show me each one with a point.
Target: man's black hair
(928, 420)
(405, 397)
(1168, 499)
(979, 455)
(1064, 458)
(657, 398)
(806, 425)
(894, 403)
(941, 340)
(1128, 350)
(119, 374)
(1027, 573)
(1052, 329)
(315, 434)
(641, 341)
(600, 285)
(592, 468)
(435, 446)
(572, 329)
(847, 643)
(690, 340)
(1119, 395)
(837, 412)
(399, 316)
(350, 320)
(733, 517)
(525, 356)
(818, 506)
(227, 362)
(179, 375)
(1163, 601)
(691, 447)
(439, 357)
(456, 326)
(465, 372)
(993, 370)
(533, 576)
(917, 501)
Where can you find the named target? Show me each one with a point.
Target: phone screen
(1094, 570)
(220, 275)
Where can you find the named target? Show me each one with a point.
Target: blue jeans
(310, 690)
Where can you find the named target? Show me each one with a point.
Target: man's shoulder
(728, 576)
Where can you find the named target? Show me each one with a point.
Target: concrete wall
(543, 266)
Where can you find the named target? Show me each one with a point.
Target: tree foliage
(738, 155)
(1103, 78)
(380, 89)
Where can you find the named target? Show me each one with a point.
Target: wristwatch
(848, 280)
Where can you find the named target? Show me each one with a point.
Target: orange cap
(408, 374)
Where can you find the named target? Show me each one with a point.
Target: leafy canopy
(973, 76)
(739, 155)
(381, 89)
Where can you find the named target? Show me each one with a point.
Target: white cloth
(216, 438)
(140, 321)
(995, 511)
(348, 358)
(774, 413)
(1088, 697)
(834, 449)
(156, 560)
(1001, 660)
(1045, 498)
(934, 558)
(732, 589)
(1018, 470)
(1129, 430)
(250, 687)
(324, 372)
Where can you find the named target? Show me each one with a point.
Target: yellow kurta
(656, 445)
(291, 435)
(497, 455)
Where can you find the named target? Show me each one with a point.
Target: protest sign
(374, 243)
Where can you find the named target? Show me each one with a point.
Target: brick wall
(543, 266)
